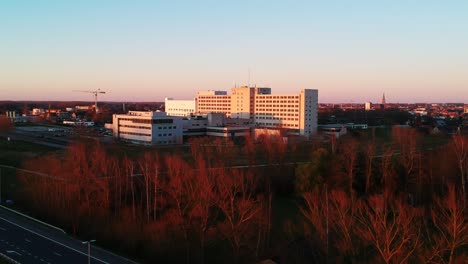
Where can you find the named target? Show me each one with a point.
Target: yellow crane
(96, 92)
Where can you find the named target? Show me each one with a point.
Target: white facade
(38, 111)
(242, 102)
(296, 112)
(78, 123)
(179, 107)
(155, 128)
(213, 102)
(368, 106)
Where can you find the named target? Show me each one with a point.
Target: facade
(213, 102)
(180, 107)
(368, 106)
(78, 123)
(155, 128)
(466, 109)
(38, 111)
(296, 112)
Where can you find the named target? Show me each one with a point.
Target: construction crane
(96, 92)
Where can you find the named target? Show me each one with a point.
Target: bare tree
(369, 157)
(349, 153)
(240, 206)
(392, 228)
(450, 219)
(460, 146)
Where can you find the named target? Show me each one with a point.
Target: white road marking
(3, 229)
(57, 254)
(85, 254)
(13, 252)
(27, 240)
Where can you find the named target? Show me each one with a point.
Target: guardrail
(33, 219)
(8, 259)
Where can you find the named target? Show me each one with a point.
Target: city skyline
(146, 51)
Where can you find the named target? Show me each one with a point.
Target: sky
(351, 51)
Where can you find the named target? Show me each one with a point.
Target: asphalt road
(26, 241)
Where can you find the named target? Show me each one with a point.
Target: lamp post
(89, 248)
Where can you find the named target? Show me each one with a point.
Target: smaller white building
(368, 106)
(37, 111)
(180, 107)
(154, 128)
(78, 123)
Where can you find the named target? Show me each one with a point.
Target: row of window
(282, 106)
(275, 114)
(138, 127)
(277, 96)
(277, 110)
(276, 125)
(214, 97)
(168, 127)
(148, 121)
(277, 101)
(181, 109)
(165, 135)
(213, 104)
(135, 134)
(134, 120)
(278, 118)
(167, 142)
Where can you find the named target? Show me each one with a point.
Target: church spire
(383, 98)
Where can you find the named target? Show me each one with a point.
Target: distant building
(383, 99)
(38, 111)
(78, 123)
(84, 107)
(294, 112)
(368, 106)
(155, 128)
(180, 107)
(466, 109)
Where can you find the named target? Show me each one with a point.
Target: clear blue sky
(352, 51)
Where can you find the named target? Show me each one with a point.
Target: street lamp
(89, 248)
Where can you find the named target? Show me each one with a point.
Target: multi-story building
(155, 128)
(296, 113)
(213, 102)
(179, 107)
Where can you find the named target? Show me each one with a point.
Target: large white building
(155, 128)
(296, 113)
(213, 102)
(180, 107)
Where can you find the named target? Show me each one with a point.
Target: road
(49, 142)
(26, 241)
